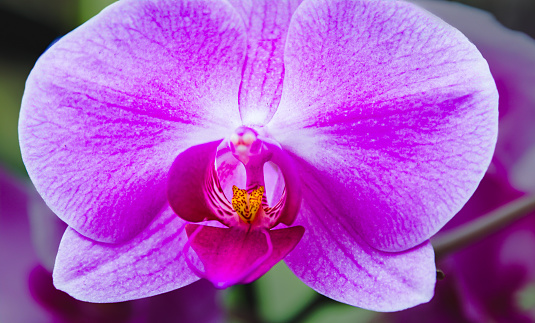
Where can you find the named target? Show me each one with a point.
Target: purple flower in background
(357, 127)
(485, 281)
(26, 290)
(17, 257)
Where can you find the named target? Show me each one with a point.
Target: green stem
(316, 303)
(458, 238)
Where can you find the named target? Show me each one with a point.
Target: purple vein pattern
(352, 130)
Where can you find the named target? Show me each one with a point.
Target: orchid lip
(247, 247)
(224, 280)
(232, 256)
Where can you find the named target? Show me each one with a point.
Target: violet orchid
(359, 127)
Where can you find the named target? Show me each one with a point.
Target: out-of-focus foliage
(281, 294)
(514, 14)
(12, 77)
(89, 8)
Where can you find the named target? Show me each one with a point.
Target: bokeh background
(27, 28)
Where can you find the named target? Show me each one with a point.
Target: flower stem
(316, 303)
(458, 238)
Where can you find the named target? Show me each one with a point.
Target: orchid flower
(484, 282)
(210, 139)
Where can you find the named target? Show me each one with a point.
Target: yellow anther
(245, 204)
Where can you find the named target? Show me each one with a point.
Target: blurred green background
(27, 27)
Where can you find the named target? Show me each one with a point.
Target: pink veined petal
(109, 106)
(193, 188)
(511, 57)
(231, 256)
(395, 110)
(335, 261)
(267, 24)
(46, 229)
(147, 265)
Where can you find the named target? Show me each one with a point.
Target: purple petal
(396, 111)
(109, 106)
(231, 256)
(149, 264)
(46, 229)
(511, 57)
(193, 188)
(267, 24)
(334, 260)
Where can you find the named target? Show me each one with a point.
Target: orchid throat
(250, 203)
(248, 246)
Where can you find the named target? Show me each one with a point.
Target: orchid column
(359, 128)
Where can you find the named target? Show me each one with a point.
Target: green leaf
(12, 77)
(281, 295)
(89, 8)
(340, 313)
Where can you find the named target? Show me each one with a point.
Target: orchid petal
(267, 24)
(292, 184)
(123, 94)
(231, 256)
(393, 108)
(335, 261)
(511, 57)
(46, 229)
(193, 188)
(147, 265)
